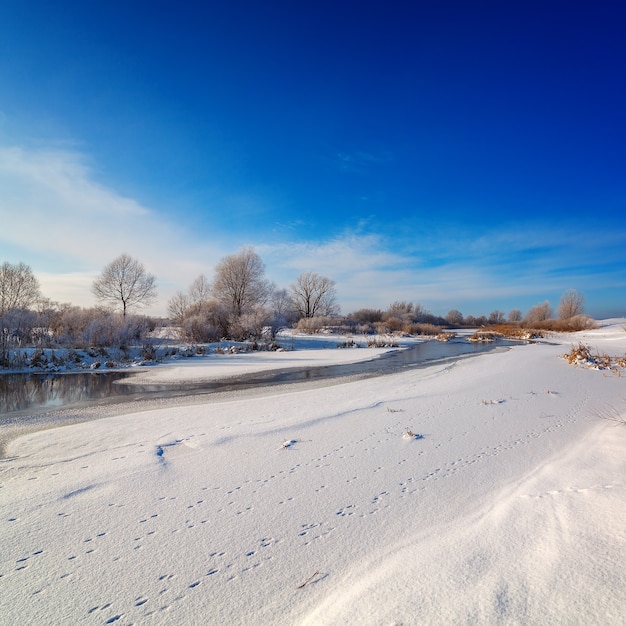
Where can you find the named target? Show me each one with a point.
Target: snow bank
(312, 507)
(218, 366)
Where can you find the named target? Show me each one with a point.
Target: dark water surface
(24, 394)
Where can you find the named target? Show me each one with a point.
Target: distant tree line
(238, 303)
(414, 319)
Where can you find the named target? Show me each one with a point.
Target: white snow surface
(308, 351)
(311, 505)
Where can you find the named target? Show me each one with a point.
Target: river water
(33, 394)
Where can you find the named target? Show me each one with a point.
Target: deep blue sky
(466, 155)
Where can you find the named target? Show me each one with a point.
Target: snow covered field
(313, 505)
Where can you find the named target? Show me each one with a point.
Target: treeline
(29, 320)
(240, 303)
(237, 303)
(414, 319)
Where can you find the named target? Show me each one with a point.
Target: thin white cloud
(54, 211)
(341, 255)
(502, 269)
(58, 218)
(359, 161)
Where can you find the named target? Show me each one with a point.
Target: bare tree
(200, 290)
(19, 289)
(125, 282)
(454, 317)
(496, 317)
(281, 302)
(539, 313)
(572, 303)
(515, 316)
(182, 304)
(177, 307)
(239, 282)
(314, 295)
(402, 310)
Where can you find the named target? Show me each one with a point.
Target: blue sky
(463, 155)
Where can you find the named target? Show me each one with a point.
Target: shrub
(382, 342)
(538, 313)
(314, 324)
(581, 355)
(347, 344)
(570, 325)
(481, 336)
(514, 331)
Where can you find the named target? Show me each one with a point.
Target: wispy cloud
(57, 217)
(504, 268)
(360, 161)
(54, 211)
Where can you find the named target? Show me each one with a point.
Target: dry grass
(582, 355)
(484, 336)
(445, 336)
(611, 414)
(570, 325)
(382, 342)
(537, 330)
(514, 331)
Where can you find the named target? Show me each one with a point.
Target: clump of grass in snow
(581, 355)
(517, 332)
(382, 342)
(612, 415)
(482, 336)
(445, 336)
(348, 344)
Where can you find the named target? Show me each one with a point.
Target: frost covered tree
(240, 283)
(496, 317)
(539, 313)
(177, 307)
(571, 304)
(200, 290)
(125, 283)
(515, 316)
(19, 289)
(314, 295)
(454, 317)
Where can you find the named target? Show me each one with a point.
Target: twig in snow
(409, 434)
(308, 580)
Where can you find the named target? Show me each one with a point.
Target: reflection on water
(19, 392)
(40, 392)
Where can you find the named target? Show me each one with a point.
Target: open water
(23, 394)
